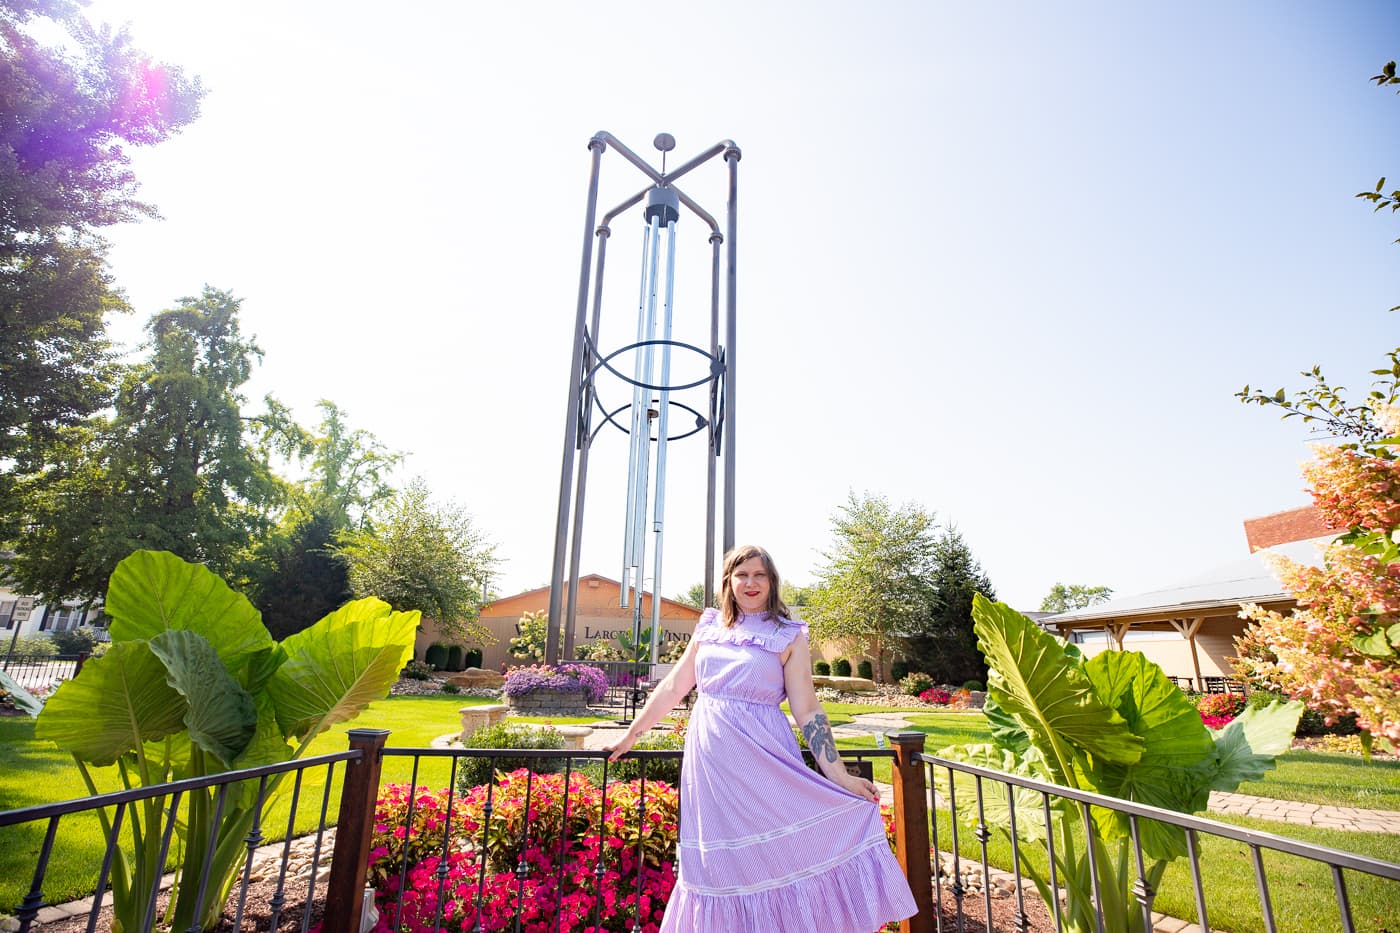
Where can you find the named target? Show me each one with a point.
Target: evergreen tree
(941, 642)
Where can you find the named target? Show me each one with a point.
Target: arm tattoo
(819, 738)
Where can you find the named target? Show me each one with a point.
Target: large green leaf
(1006, 729)
(1248, 744)
(152, 591)
(119, 701)
(1047, 690)
(1176, 749)
(340, 665)
(220, 715)
(995, 809)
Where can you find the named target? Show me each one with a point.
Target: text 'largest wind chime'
(646, 419)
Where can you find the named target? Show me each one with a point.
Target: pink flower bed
(536, 859)
(937, 696)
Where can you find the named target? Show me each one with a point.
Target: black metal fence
(42, 672)
(1050, 802)
(573, 840)
(176, 799)
(628, 685)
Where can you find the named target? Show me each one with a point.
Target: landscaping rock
(476, 677)
(846, 684)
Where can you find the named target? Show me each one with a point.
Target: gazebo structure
(1189, 628)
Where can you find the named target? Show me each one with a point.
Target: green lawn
(1332, 778)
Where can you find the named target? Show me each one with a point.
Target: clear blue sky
(1008, 261)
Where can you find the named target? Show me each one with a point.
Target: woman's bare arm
(811, 719)
(664, 697)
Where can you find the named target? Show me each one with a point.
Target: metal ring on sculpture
(700, 422)
(716, 367)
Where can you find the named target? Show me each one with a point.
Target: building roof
(1218, 591)
(584, 579)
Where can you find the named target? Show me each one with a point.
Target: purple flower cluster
(566, 677)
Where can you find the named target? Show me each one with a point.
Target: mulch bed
(257, 915)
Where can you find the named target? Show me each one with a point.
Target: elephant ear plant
(1111, 725)
(194, 685)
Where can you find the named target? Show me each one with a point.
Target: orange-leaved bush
(1339, 649)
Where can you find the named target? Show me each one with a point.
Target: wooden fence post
(911, 828)
(353, 831)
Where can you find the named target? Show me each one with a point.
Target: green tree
(425, 557)
(694, 597)
(1065, 598)
(74, 106)
(876, 577)
(298, 575)
(294, 573)
(174, 468)
(793, 595)
(941, 641)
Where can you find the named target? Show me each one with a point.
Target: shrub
(1220, 704)
(865, 669)
(1314, 722)
(937, 696)
(821, 669)
(31, 645)
(841, 667)
(899, 670)
(454, 658)
(451, 688)
(974, 685)
(564, 678)
(531, 633)
(436, 656)
(74, 641)
(416, 670)
(472, 658)
(474, 772)
(915, 683)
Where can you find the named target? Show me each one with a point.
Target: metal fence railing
(996, 789)
(504, 839)
(37, 829)
(42, 672)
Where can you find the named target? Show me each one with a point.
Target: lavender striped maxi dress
(766, 843)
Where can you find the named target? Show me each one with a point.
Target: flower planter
(537, 701)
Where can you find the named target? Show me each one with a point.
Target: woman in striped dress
(767, 844)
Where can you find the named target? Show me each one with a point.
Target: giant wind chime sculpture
(647, 418)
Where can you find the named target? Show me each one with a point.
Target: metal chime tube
(662, 429)
(643, 436)
(638, 423)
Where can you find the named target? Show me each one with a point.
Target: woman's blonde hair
(729, 604)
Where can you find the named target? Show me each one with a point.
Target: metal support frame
(587, 360)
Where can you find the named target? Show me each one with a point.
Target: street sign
(23, 607)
